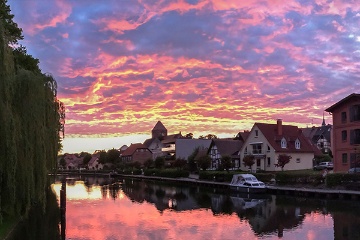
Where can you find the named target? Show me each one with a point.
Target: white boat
(247, 183)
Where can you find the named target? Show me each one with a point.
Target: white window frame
(297, 144)
(283, 143)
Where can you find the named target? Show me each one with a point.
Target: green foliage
(112, 156)
(191, 160)
(11, 33)
(226, 163)
(204, 162)
(62, 162)
(159, 162)
(283, 159)
(169, 173)
(149, 163)
(323, 158)
(86, 158)
(216, 175)
(102, 157)
(344, 179)
(26, 61)
(208, 136)
(249, 160)
(30, 124)
(292, 178)
(179, 163)
(189, 135)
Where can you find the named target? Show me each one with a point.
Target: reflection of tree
(41, 223)
(104, 191)
(114, 190)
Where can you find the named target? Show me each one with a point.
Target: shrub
(170, 173)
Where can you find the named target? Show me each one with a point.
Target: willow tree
(30, 120)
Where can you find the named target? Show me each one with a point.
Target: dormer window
(283, 143)
(256, 133)
(297, 144)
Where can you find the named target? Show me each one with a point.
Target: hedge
(170, 173)
(284, 178)
(343, 179)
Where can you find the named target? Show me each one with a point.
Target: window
(343, 117)
(344, 135)
(283, 143)
(256, 133)
(354, 113)
(268, 161)
(257, 149)
(355, 136)
(245, 152)
(344, 158)
(298, 160)
(258, 162)
(297, 144)
(268, 150)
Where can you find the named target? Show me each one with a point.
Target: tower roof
(159, 126)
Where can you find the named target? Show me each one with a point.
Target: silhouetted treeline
(31, 118)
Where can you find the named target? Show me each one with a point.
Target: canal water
(111, 209)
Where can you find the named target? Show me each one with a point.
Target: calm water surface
(107, 209)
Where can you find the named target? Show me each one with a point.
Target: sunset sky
(199, 66)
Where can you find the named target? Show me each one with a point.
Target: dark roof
(130, 150)
(159, 126)
(227, 147)
(148, 142)
(242, 136)
(290, 133)
(171, 138)
(201, 153)
(315, 133)
(342, 101)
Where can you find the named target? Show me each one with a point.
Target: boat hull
(246, 189)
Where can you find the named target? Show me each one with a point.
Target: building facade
(267, 141)
(346, 132)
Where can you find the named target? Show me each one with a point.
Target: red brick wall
(340, 146)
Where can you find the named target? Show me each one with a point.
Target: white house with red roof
(267, 141)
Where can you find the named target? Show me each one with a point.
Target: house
(267, 141)
(137, 152)
(184, 147)
(73, 161)
(319, 136)
(224, 147)
(346, 132)
(94, 164)
(160, 143)
(168, 143)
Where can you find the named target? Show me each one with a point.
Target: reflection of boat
(245, 203)
(247, 183)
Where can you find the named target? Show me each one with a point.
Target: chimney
(279, 127)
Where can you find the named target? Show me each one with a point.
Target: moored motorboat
(247, 183)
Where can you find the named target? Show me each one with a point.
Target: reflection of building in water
(270, 218)
(263, 215)
(346, 226)
(164, 197)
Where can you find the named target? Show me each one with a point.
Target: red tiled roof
(290, 133)
(130, 150)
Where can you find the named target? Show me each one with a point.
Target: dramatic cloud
(199, 66)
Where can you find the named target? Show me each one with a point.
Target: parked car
(354, 170)
(324, 165)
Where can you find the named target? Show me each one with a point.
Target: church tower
(159, 131)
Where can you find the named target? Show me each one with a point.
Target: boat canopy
(242, 178)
